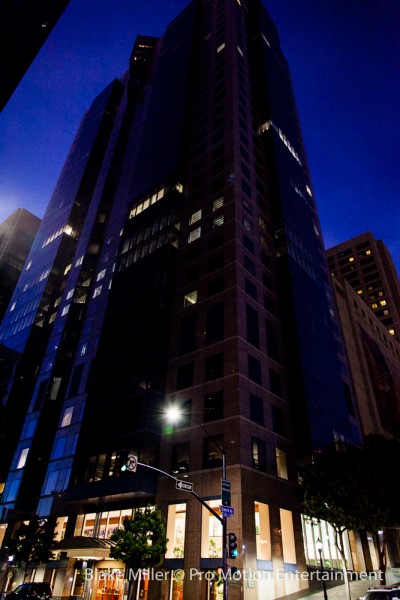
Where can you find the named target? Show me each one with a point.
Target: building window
(288, 544)
(256, 409)
(22, 458)
(180, 458)
(65, 310)
(212, 452)
(214, 366)
(196, 216)
(281, 466)
(263, 531)
(275, 384)
(278, 420)
(259, 457)
(97, 291)
(190, 299)
(218, 203)
(220, 47)
(194, 235)
(215, 323)
(176, 524)
(211, 531)
(101, 275)
(218, 221)
(187, 336)
(252, 326)
(249, 265)
(215, 286)
(214, 406)
(250, 289)
(70, 294)
(185, 376)
(67, 416)
(254, 369)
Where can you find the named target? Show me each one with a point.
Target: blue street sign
(227, 511)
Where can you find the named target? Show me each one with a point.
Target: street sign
(186, 486)
(226, 492)
(227, 511)
(131, 464)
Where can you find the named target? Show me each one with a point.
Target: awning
(85, 547)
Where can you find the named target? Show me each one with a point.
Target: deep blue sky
(344, 57)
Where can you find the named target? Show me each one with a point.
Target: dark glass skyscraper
(180, 263)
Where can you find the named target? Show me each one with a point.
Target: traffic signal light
(232, 545)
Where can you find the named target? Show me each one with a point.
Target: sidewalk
(357, 588)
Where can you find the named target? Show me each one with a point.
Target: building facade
(365, 263)
(180, 264)
(17, 233)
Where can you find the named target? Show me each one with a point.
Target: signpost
(186, 486)
(227, 511)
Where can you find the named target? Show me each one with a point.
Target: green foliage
(141, 542)
(31, 542)
(341, 488)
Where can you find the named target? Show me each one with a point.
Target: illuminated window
(359, 292)
(83, 350)
(79, 261)
(368, 252)
(68, 230)
(281, 466)
(351, 259)
(67, 416)
(101, 275)
(97, 291)
(221, 47)
(194, 235)
(263, 531)
(392, 331)
(28, 266)
(176, 523)
(382, 302)
(22, 458)
(240, 50)
(218, 221)
(196, 216)
(288, 544)
(374, 305)
(12, 306)
(211, 532)
(70, 294)
(218, 203)
(65, 310)
(67, 268)
(190, 299)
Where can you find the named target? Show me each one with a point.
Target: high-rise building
(17, 233)
(365, 263)
(180, 264)
(24, 27)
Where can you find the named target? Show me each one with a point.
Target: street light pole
(319, 547)
(174, 414)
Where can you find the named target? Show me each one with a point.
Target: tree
(31, 543)
(337, 488)
(140, 543)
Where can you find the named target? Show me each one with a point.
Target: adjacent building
(365, 263)
(17, 233)
(180, 263)
(24, 27)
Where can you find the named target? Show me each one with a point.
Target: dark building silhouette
(180, 263)
(24, 27)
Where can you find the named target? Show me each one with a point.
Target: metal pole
(224, 536)
(322, 574)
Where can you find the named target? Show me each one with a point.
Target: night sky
(344, 57)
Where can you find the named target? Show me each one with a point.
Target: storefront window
(211, 532)
(263, 531)
(176, 530)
